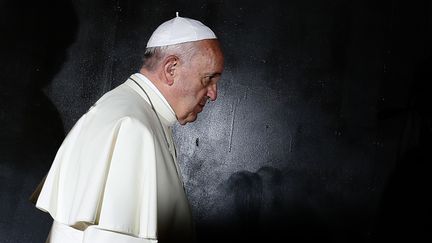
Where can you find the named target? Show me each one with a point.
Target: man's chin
(191, 118)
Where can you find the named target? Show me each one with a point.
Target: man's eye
(207, 80)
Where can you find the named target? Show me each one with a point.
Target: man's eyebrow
(216, 74)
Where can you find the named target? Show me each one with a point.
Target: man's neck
(156, 77)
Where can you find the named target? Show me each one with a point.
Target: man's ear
(170, 68)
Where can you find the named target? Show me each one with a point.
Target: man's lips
(201, 107)
(202, 104)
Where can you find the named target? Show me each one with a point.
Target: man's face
(197, 81)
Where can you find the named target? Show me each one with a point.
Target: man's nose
(212, 92)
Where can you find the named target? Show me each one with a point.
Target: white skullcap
(179, 30)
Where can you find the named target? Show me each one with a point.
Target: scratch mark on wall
(291, 142)
(233, 111)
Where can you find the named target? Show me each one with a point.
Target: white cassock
(115, 177)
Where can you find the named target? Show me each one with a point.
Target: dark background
(321, 131)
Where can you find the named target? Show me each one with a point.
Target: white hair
(153, 55)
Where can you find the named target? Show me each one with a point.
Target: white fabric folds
(115, 170)
(61, 233)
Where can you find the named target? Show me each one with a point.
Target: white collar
(159, 102)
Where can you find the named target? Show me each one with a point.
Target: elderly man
(115, 178)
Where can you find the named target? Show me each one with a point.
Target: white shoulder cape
(115, 170)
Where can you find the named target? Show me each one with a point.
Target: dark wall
(34, 37)
(321, 130)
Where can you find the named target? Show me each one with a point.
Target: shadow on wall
(308, 204)
(35, 38)
(264, 206)
(405, 209)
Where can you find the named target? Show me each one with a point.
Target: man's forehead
(214, 48)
